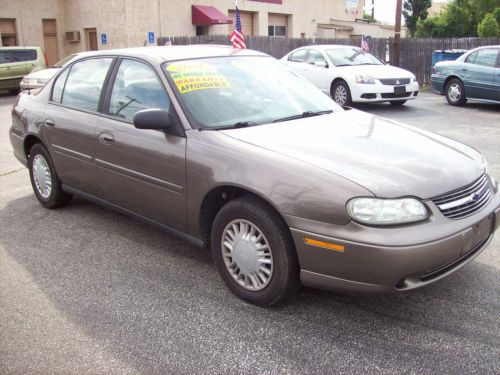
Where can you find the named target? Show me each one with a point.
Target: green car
(16, 62)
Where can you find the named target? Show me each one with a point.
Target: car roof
(160, 54)
(19, 48)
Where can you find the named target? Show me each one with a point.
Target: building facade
(63, 27)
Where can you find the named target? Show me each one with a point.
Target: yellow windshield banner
(192, 76)
(189, 81)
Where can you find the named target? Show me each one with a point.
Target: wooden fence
(415, 56)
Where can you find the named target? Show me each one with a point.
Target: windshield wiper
(304, 115)
(343, 65)
(239, 124)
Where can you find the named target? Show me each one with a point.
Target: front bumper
(369, 93)
(391, 259)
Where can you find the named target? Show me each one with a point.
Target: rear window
(13, 56)
(298, 56)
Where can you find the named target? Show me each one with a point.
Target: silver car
(233, 151)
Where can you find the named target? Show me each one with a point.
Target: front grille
(395, 81)
(394, 96)
(466, 201)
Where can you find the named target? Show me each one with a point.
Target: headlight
(378, 211)
(365, 79)
(487, 171)
(413, 79)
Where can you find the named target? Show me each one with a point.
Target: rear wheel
(341, 93)
(455, 92)
(254, 253)
(44, 180)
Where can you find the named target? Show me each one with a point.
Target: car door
(140, 170)
(479, 78)
(316, 74)
(70, 120)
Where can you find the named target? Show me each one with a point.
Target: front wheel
(254, 253)
(341, 93)
(455, 92)
(46, 185)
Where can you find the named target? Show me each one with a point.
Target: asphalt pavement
(86, 290)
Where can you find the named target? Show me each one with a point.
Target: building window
(201, 30)
(276, 30)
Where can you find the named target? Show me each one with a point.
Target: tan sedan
(233, 151)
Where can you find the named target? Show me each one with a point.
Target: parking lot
(86, 290)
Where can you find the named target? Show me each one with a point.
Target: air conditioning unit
(73, 36)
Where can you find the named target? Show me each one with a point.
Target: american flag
(237, 37)
(364, 43)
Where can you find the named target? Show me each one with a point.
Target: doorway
(91, 36)
(50, 41)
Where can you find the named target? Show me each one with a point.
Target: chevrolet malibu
(233, 151)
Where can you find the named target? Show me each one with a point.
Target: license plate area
(482, 230)
(399, 89)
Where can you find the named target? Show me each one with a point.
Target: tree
(488, 26)
(460, 18)
(413, 11)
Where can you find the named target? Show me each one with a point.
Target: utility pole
(373, 10)
(397, 34)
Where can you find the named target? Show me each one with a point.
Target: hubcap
(340, 95)
(454, 92)
(247, 255)
(41, 176)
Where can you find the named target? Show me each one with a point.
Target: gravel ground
(85, 290)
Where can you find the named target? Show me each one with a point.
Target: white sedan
(349, 74)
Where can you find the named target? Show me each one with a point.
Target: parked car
(233, 151)
(16, 62)
(475, 75)
(39, 78)
(350, 74)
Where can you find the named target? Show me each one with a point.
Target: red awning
(208, 15)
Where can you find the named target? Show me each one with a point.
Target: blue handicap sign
(151, 37)
(104, 39)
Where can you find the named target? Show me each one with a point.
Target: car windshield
(243, 91)
(352, 56)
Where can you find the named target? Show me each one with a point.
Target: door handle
(49, 122)
(106, 138)
(464, 70)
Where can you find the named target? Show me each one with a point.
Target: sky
(385, 10)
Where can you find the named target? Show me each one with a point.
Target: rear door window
(486, 57)
(5, 57)
(136, 87)
(84, 84)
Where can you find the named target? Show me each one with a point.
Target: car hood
(387, 158)
(377, 71)
(43, 74)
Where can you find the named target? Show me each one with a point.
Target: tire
(398, 102)
(455, 92)
(43, 174)
(238, 266)
(341, 93)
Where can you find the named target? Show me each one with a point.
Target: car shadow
(156, 302)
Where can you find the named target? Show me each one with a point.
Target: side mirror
(156, 119)
(320, 64)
